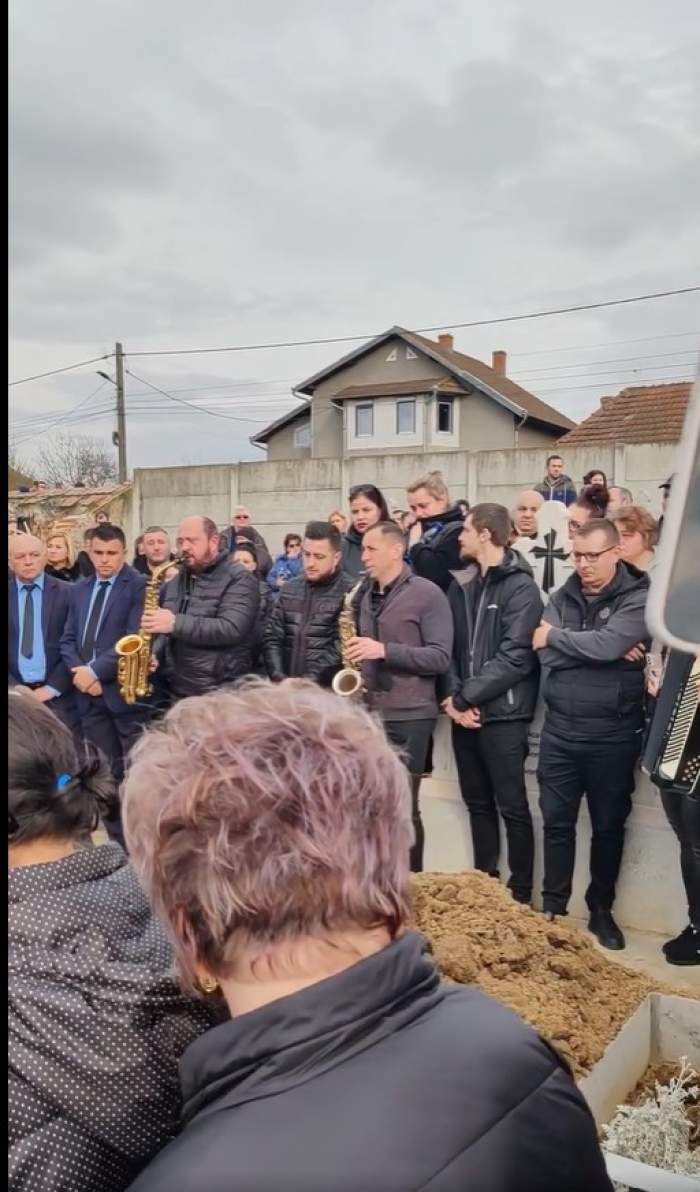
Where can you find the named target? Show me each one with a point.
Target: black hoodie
(494, 666)
(436, 555)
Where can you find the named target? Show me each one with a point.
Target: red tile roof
(638, 414)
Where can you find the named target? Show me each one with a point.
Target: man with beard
(492, 689)
(301, 635)
(434, 538)
(207, 615)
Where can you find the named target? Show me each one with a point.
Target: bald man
(208, 615)
(38, 607)
(525, 513)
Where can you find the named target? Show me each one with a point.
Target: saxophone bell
(348, 681)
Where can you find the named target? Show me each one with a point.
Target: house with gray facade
(403, 393)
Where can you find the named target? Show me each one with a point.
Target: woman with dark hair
(595, 477)
(270, 826)
(96, 1022)
(591, 503)
(367, 508)
(246, 554)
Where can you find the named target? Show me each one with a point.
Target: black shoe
(685, 948)
(606, 930)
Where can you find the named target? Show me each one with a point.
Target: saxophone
(134, 650)
(348, 681)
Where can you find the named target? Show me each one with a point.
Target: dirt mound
(550, 974)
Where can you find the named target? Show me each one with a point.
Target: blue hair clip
(63, 780)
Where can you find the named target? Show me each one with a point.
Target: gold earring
(208, 984)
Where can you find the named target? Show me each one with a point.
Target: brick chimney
(498, 363)
(446, 340)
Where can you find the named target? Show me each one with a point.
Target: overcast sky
(200, 175)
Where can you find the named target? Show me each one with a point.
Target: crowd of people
(273, 824)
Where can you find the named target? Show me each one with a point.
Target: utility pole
(121, 411)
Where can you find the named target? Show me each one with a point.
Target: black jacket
(249, 534)
(68, 575)
(301, 635)
(379, 1079)
(96, 1026)
(413, 620)
(494, 667)
(213, 638)
(352, 553)
(591, 690)
(436, 555)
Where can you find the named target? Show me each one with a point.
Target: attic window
(393, 355)
(444, 417)
(410, 354)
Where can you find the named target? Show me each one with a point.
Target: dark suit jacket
(55, 609)
(122, 615)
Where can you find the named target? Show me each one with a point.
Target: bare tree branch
(76, 459)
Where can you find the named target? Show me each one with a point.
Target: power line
(610, 343)
(68, 368)
(649, 382)
(63, 417)
(338, 339)
(614, 360)
(191, 406)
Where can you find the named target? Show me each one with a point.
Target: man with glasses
(592, 641)
(242, 530)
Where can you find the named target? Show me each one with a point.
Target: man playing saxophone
(404, 643)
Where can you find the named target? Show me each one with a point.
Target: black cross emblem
(549, 553)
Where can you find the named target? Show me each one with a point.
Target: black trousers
(603, 771)
(412, 738)
(113, 736)
(491, 767)
(683, 814)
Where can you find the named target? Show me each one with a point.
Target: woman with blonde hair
(339, 520)
(61, 557)
(270, 826)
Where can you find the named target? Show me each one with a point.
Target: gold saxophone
(135, 649)
(348, 681)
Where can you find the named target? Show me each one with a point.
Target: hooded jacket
(249, 534)
(352, 552)
(301, 634)
(561, 489)
(436, 555)
(212, 641)
(592, 691)
(494, 667)
(379, 1079)
(97, 1026)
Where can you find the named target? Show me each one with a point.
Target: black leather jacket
(212, 642)
(436, 555)
(301, 635)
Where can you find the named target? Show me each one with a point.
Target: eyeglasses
(590, 556)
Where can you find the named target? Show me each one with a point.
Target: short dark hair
(389, 529)
(372, 494)
(289, 538)
(556, 455)
(594, 499)
(602, 524)
(106, 532)
(320, 531)
(40, 750)
(495, 519)
(87, 536)
(154, 530)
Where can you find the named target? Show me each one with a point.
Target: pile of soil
(549, 973)
(662, 1073)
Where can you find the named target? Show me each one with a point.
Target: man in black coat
(207, 616)
(404, 643)
(492, 692)
(434, 551)
(592, 641)
(301, 636)
(38, 607)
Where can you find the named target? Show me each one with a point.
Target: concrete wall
(283, 494)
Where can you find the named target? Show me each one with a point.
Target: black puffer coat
(436, 555)
(379, 1079)
(352, 552)
(212, 643)
(301, 635)
(96, 1026)
(494, 667)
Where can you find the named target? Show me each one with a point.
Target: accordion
(672, 755)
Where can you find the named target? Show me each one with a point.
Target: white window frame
(406, 401)
(302, 432)
(447, 401)
(393, 356)
(362, 406)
